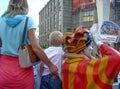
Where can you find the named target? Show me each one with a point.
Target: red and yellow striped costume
(92, 74)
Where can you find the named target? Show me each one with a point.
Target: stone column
(103, 10)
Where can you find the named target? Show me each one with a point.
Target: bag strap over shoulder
(24, 32)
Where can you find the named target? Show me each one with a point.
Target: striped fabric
(92, 74)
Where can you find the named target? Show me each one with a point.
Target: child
(55, 54)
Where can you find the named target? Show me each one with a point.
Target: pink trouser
(14, 77)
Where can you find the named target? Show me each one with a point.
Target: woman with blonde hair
(12, 76)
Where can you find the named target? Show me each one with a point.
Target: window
(53, 6)
(76, 19)
(55, 20)
(56, 1)
(117, 9)
(60, 19)
(69, 30)
(60, 3)
(88, 15)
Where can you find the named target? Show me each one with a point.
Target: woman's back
(12, 31)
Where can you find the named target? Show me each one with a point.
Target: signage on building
(110, 32)
(82, 4)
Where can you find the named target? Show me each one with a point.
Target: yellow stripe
(73, 60)
(72, 70)
(102, 75)
(90, 77)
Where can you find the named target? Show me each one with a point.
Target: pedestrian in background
(37, 79)
(12, 76)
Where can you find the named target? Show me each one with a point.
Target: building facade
(66, 15)
(56, 15)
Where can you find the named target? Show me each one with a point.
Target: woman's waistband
(9, 56)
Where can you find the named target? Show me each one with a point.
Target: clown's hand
(95, 34)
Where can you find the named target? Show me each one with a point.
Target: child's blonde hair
(56, 38)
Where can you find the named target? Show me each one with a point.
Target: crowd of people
(67, 63)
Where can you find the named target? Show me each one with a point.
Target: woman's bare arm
(40, 53)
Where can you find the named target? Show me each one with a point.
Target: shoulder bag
(27, 57)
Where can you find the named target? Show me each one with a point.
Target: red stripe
(80, 75)
(96, 77)
(115, 66)
(65, 72)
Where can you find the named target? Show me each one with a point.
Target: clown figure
(78, 73)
